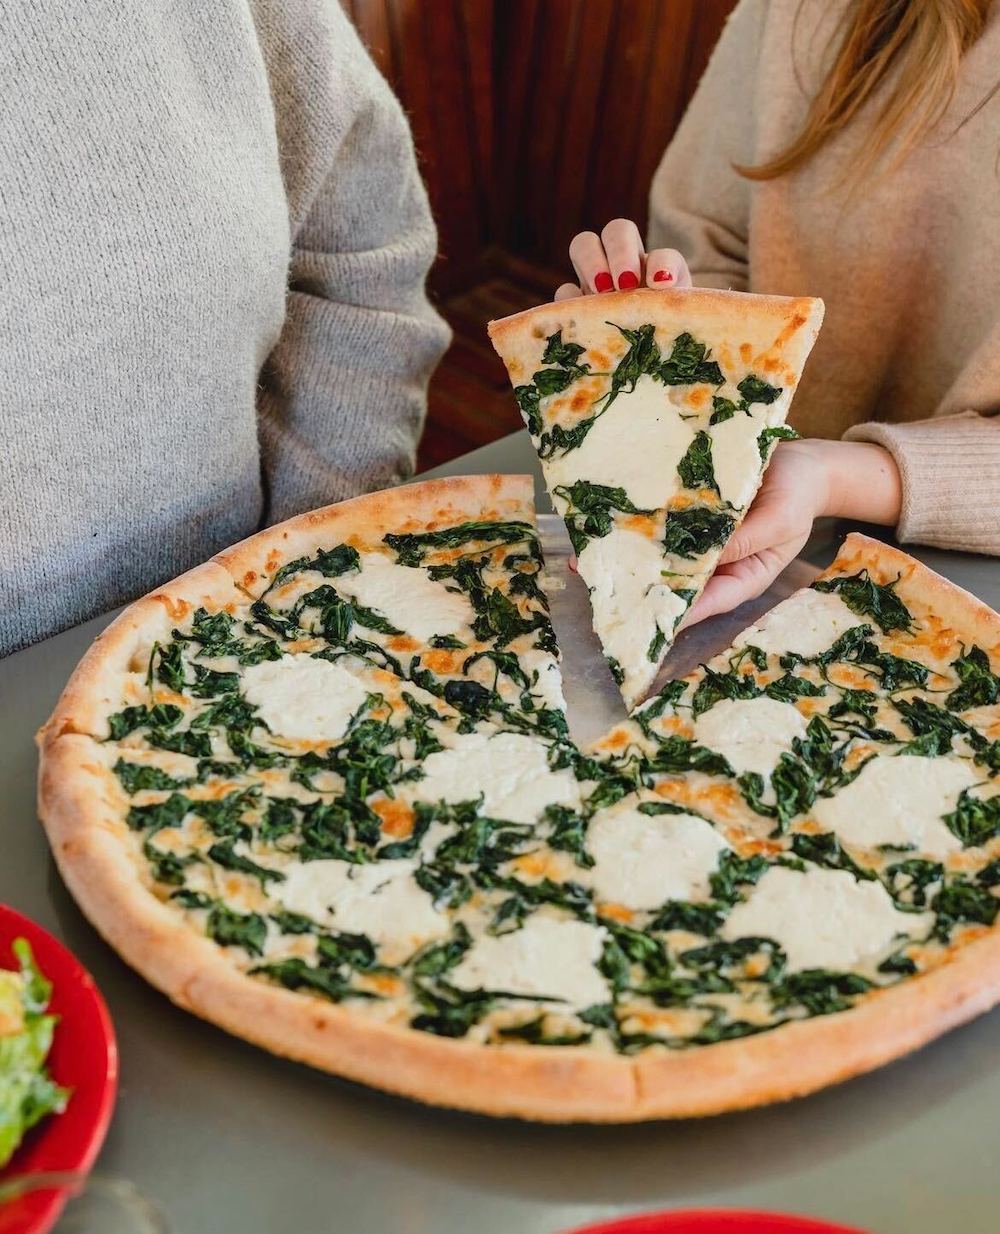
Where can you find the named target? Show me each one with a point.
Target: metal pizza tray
(592, 699)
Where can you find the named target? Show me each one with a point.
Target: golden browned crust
(919, 585)
(798, 318)
(363, 521)
(96, 686)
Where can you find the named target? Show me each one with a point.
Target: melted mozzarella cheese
(898, 801)
(546, 957)
(301, 697)
(629, 599)
(806, 624)
(641, 861)
(750, 733)
(412, 601)
(510, 771)
(635, 445)
(379, 899)
(823, 918)
(736, 457)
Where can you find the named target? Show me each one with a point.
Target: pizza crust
(363, 521)
(96, 686)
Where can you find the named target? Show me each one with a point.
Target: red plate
(717, 1221)
(84, 1058)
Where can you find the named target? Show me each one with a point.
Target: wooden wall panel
(438, 57)
(588, 94)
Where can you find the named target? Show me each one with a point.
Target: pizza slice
(436, 583)
(654, 414)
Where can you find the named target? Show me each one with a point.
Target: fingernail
(663, 276)
(603, 281)
(627, 280)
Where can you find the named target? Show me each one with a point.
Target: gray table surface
(228, 1140)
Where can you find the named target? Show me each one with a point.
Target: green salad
(27, 1092)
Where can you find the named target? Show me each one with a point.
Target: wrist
(856, 480)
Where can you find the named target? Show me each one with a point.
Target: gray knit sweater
(213, 244)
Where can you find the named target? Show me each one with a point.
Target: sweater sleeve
(950, 469)
(343, 394)
(698, 204)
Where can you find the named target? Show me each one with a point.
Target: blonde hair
(920, 43)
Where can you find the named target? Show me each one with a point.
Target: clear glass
(95, 1204)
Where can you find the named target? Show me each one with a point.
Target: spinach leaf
(656, 645)
(683, 915)
(692, 532)
(907, 881)
(229, 928)
(766, 438)
(980, 685)
(568, 833)
(975, 819)
(223, 854)
(411, 547)
(864, 596)
(959, 902)
(167, 867)
(168, 813)
(715, 686)
(162, 716)
(756, 390)
(927, 720)
(533, 1031)
(724, 409)
(642, 357)
(528, 400)
(590, 509)
(135, 777)
(789, 687)
(169, 665)
(730, 959)
(296, 974)
(558, 352)
(695, 468)
(687, 364)
(819, 991)
(825, 849)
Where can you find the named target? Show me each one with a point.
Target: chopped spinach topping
(768, 436)
(696, 469)
(690, 533)
(980, 685)
(864, 596)
(590, 510)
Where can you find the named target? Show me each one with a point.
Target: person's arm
(698, 203)
(343, 393)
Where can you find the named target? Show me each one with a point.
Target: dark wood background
(533, 119)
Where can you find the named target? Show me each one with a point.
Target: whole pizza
(321, 791)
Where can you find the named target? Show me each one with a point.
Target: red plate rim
(715, 1221)
(84, 1057)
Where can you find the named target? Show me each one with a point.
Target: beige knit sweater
(909, 266)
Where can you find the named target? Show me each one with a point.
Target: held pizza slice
(654, 414)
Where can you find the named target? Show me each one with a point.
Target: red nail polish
(663, 276)
(603, 281)
(627, 280)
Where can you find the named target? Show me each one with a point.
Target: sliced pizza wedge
(654, 414)
(436, 582)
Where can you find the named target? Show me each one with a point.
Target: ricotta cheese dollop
(807, 623)
(302, 697)
(750, 733)
(545, 957)
(509, 770)
(823, 918)
(379, 899)
(736, 457)
(408, 597)
(629, 599)
(899, 801)
(635, 445)
(641, 861)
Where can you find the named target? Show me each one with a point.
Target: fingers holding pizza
(617, 260)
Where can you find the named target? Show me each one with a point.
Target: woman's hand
(805, 479)
(616, 258)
